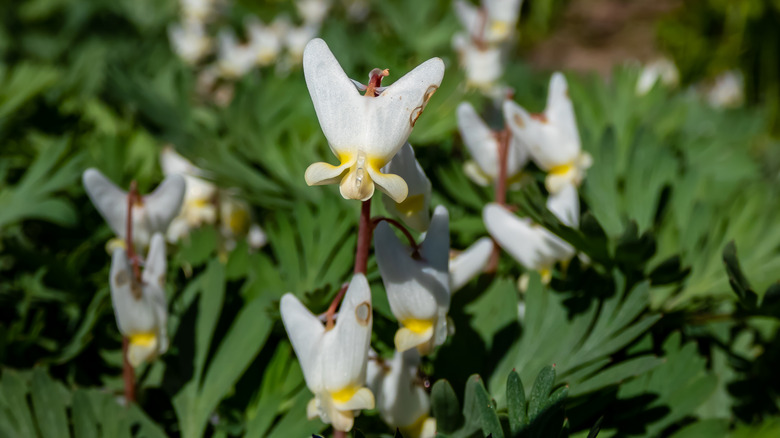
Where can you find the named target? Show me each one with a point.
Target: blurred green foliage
(647, 330)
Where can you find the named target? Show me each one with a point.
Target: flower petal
(479, 139)
(470, 263)
(357, 184)
(412, 292)
(519, 238)
(306, 334)
(565, 205)
(392, 185)
(413, 210)
(324, 173)
(164, 203)
(406, 339)
(363, 399)
(109, 200)
(133, 312)
(340, 109)
(435, 248)
(345, 348)
(395, 111)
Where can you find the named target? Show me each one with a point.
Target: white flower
(334, 361)
(551, 138)
(663, 69)
(265, 41)
(401, 400)
(189, 40)
(313, 11)
(530, 244)
(413, 211)
(469, 263)
(494, 22)
(728, 90)
(233, 59)
(296, 40)
(364, 132)
(151, 214)
(140, 306)
(235, 220)
(483, 64)
(483, 143)
(418, 285)
(198, 10)
(198, 207)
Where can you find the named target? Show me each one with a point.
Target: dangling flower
(312, 11)
(296, 40)
(189, 41)
(364, 132)
(234, 59)
(265, 41)
(198, 208)
(493, 23)
(401, 399)
(417, 283)
(469, 263)
(530, 244)
(413, 211)
(727, 91)
(482, 63)
(334, 360)
(140, 306)
(661, 69)
(551, 138)
(151, 213)
(483, 144)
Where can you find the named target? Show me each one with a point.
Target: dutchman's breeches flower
(364, 131)
(151, 214)
(400, 396)
(334, 360)
(483, 145)
(417, 283)
(469, 263)
(528, 243)
(552, 137)
(493, 23)
(413, 211)
(140, 306)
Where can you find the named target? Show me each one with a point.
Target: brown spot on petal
(519, 121)
(121, 278)
(540, 117)
(363, 313)
(418, 111)
(161, 280)
(135, 288)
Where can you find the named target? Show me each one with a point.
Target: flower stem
(128, 374)
(364, 238)
(333, 305)
(339, 434)
(500, 193)
(375, 221)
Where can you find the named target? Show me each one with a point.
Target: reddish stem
(364, 238)
(132, 198)
(128, 374)
(375, 221)
(500, 193)
(339, 434)
(333, 305)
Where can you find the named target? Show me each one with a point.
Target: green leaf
(543, 385)
(488, 419)
(515, 403)
(445, 407)
(49, 400)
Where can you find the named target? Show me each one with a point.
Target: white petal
(412, 292)
(340, 109)
(134, 313)
(164, 203)
(363, 399)
(560, 115)
(519, 238)
(470, 263)
(345, 348)
(565, 205)
(324, 173)
(479, 139)
(156, 266)
(153, 278)
(109, 200)
(405, 165)
(470, 17)
(139, 353)
(306, 334)
(392, 185)
(406, 339)
(531, 133)
(435, 248)
(402, 400)
(357, 184)
(395, 111)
